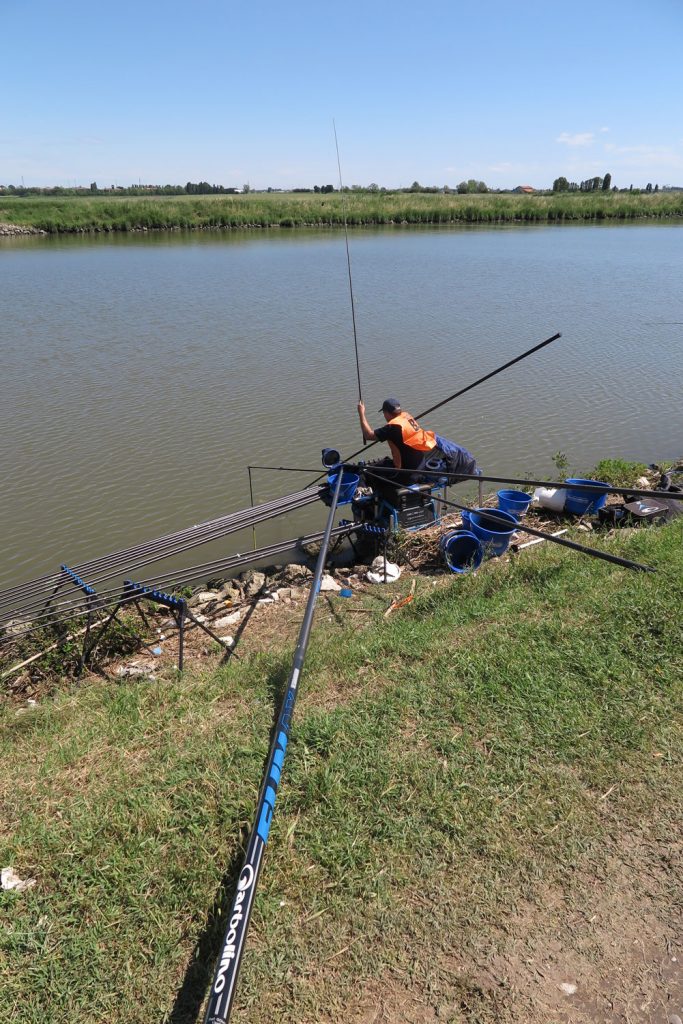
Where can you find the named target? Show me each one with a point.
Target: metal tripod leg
(88, 623)
(210, 633)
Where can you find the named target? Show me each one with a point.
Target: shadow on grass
(199, 972)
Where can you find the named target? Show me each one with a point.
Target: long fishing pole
(637, 492)
(596, 488)
(348, 264)
(493, 373)
(491, 517)
(475, 384)
(225, 977)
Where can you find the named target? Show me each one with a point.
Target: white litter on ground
(11, 880)
(376, 573)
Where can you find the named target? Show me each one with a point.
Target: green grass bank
(446, 766)
(102, 213)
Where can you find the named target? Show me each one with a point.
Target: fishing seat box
(413, 506)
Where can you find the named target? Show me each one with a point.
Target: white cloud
(579, 139)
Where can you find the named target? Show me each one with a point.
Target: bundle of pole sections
(50, 600)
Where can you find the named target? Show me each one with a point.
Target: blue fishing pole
(225, 977)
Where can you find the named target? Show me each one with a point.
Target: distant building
(527, 190)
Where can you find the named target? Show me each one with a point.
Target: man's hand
(368, 433)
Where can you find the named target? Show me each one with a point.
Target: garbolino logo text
(246, 880)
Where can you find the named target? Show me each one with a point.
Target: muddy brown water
(141, 374)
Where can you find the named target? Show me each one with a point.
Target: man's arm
(368, 432)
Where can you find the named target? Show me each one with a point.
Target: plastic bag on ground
(376, 573)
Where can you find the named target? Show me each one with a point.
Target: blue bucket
(462, 551)
(516, 502)
(494, 536)
(347, 490)
(582, 502)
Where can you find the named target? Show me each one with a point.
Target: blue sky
(509, 93)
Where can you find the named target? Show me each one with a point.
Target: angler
(412, 447)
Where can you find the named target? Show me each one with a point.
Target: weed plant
(619, 472)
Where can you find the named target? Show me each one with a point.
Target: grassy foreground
(103, 213)
(444, 765)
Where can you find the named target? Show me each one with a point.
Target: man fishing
(412, 447)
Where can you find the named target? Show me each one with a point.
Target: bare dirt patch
(607, 949)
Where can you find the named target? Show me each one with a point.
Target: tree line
(471, 186)
(597, 184)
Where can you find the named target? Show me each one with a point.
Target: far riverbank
(78, 214)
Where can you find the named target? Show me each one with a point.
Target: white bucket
(552, 498)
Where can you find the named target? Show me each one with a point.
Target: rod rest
(77, 580)
(393, 490)
(404, 492)
(130, 587)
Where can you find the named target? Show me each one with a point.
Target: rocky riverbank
(19, 229)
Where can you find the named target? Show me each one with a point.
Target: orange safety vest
(412, 435)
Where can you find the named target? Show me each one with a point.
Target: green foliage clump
(618, 472)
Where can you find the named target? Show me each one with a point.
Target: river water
(141, 374)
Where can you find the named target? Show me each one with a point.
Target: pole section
(491, 517)
(225, 977)
(595, 489)
(348, 264)
(475, 384)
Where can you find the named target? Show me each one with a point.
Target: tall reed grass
(295, 210)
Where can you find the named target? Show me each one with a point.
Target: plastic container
(331, 458)
(495, 536)
(462, 551)
(552, 498)
(347, 490)
(580, 503)
(516, 502)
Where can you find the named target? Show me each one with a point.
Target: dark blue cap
(390, 405)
